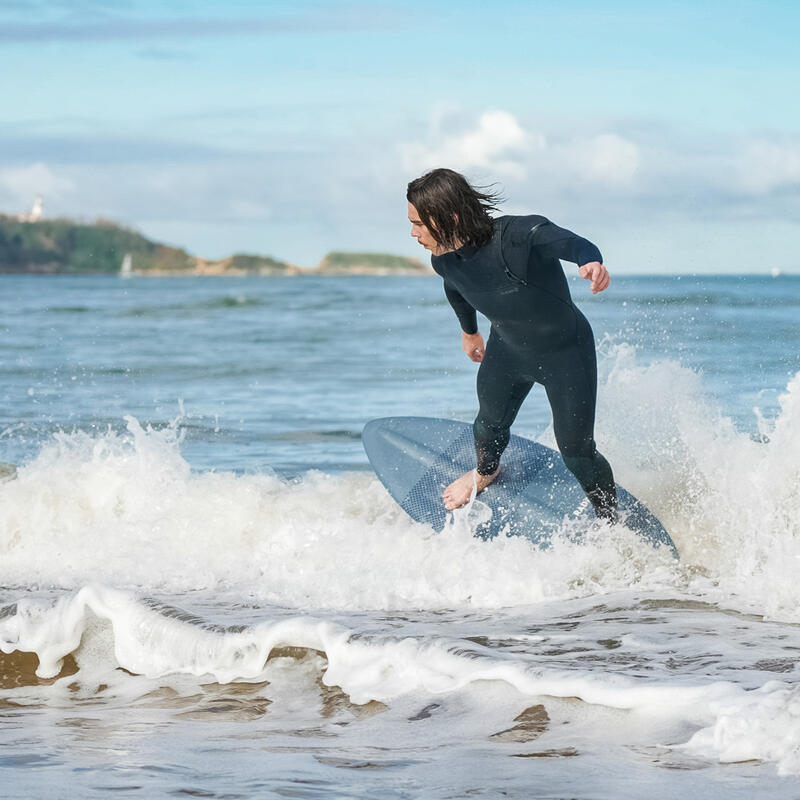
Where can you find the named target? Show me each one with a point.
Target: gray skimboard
(416, 458)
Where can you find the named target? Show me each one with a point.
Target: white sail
(125, 268)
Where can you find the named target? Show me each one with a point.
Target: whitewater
(205, 590)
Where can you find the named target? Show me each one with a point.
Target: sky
(668, 134)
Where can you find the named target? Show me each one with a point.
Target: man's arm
(471, 340)
(551, 241)
(466, 314)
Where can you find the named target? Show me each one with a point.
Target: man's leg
(500, 395)
(501, 392)
(570, 381)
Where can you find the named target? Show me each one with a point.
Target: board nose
(371, 433)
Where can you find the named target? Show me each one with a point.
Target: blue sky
(668, 133)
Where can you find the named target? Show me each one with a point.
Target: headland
(65, 246)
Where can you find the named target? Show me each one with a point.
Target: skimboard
(416, 458)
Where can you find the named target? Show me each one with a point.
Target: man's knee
(580, 449)
(583, 461)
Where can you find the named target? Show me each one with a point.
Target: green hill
(64, 246)
(342, 263)
(264, 265)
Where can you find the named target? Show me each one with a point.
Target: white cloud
(643, 171)
(768, 165)
(607, 157)
(19, 185)
(298, 205)
(497, 143)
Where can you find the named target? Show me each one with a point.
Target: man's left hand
(595, 272)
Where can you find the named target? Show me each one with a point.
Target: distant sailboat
(125, 269)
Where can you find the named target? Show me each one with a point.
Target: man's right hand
(472, 345)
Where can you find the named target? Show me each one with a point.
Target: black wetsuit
(537, 336)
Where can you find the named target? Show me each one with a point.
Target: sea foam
(104, 629)
(731, 501)
(125, 509)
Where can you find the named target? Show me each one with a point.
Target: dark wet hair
(453, 210)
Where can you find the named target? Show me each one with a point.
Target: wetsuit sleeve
(550, 241)
(464, 311)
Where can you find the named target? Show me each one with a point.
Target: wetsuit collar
(467, 251)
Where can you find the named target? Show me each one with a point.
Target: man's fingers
(597, 274)
(600, 279)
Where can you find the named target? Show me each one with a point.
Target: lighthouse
(36, 213)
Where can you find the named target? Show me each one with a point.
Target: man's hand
(472, 345)
(595, 272)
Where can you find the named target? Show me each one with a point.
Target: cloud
(497, 143)
(99, 149)
(19, 185)
(607, 157)
(165, 54)
(642, 171)
(129, 27)
(299, 198)
(766, 166)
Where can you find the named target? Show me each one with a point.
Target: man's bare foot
(458, 492)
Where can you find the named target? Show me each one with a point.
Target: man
(508, 269)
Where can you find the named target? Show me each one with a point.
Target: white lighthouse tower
(36, 213)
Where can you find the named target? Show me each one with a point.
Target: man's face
(421, 232)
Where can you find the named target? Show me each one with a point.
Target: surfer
(508, 269)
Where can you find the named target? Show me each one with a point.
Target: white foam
(150, 642)
(107, 628)
(126, 510)
(762, 725)
(732, 504)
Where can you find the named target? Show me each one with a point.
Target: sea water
(204, 590)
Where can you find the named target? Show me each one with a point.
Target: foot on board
(458, 492)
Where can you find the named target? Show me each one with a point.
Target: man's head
(446, 212)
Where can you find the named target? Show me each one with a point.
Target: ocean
(205, 591)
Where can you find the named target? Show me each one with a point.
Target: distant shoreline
(302, 272)
(66, 247)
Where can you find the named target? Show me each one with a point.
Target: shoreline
(300, 273)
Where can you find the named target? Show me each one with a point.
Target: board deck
(416, 458)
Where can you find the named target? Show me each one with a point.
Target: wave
(222, 302)
(731, 501)
(125, 509)
(699, 299)
(103, 629)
